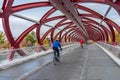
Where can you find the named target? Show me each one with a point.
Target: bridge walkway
(89, 63)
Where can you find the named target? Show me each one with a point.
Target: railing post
(38, 48)
(11, 54)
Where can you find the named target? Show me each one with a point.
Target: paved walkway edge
(109, 54)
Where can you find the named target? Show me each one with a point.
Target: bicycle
(81, 45)
(56, 60)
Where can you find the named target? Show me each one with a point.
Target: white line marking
(84, 66)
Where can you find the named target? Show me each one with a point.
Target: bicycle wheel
(81, 45)
(56, 61)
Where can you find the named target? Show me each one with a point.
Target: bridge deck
(89, 63)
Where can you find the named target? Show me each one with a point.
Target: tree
(117, 37)
(31, 39)
(4, 43)
(2, 37)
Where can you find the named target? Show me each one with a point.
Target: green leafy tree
(2, 38)
(31, 39)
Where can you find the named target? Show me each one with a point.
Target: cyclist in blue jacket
(55, 46)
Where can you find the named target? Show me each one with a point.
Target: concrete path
(89, 63)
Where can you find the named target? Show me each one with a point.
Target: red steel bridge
(77, 25)
(68, 20)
